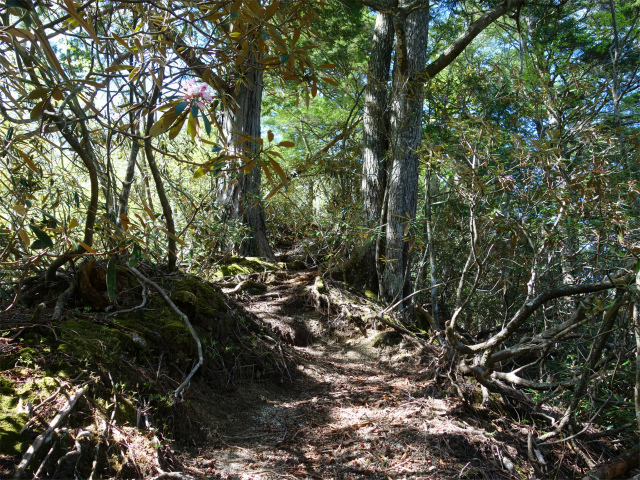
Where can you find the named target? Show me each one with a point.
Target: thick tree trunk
(375, 134)
(242, 195)
(406, 132)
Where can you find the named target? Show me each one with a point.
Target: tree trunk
(162, 195)
(242, 195)
(375, 134)
(406, 132)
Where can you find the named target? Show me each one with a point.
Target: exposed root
(63, 299)
(184, 318)
(619, 466)
(247, 286)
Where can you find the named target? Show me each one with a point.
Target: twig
(185, 319)
(40, 440)
(44, 462)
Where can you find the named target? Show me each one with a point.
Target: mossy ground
(141, 355)
(245, 265)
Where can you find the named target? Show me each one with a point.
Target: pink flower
(198, 92)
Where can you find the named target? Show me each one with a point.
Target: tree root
(616, 467)
(63, 299)
(185, 319)
(248, 285)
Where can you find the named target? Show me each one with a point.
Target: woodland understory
(320, 239)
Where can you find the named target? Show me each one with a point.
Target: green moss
(370, 295)
(28, 354)
(183, 296)
(207, 299)
(296, 265)
(387, 339)
(125, 412)
(11, 422)
(12, 410)
(320, 286)
(245, 265)
(6, 385)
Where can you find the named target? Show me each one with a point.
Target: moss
(183, 296)
(208, 301)
(387, 339)
(245, 265)
(28, 354)
(370, 295)
(12, 442)
(88, 340)
(296, 265)
(126, 412)
(320, 286)
(6, 385)
(13, 414)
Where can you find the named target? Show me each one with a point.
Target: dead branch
(44, 436)
(620, 279)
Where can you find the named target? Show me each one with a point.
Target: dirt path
(351, 411)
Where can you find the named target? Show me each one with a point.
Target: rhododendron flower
(198, 92)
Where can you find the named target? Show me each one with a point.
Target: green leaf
(111, 279)
(163, 124)
(194, 111)
(180, 107)
(207, 125)
(38, 245)
(284, 58)
(44, 239)
(136, 255)
(198, 173)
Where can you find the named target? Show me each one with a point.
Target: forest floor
(312, 388)
(358, 403)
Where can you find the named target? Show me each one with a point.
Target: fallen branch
(43, 437)
(185, 319)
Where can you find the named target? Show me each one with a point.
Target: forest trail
(349, 410)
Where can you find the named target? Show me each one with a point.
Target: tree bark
(87, 155)
(406, 132)
(162, 195)
(242, 195)
(375, 134)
